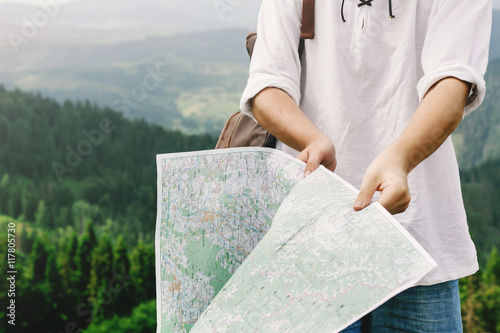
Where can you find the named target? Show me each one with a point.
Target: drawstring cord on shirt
(342, 11)
(390, 10)
(362, 3)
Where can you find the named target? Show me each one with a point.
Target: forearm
(438, 115)
(276, 111)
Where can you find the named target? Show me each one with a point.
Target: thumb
(303, 156)
(368, 187)
(313, 163)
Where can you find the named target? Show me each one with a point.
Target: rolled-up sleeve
(275, 60)
(457, 44)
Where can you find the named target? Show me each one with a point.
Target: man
(374, 98)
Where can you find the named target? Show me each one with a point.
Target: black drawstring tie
(365, 2)
(342, 11)
(390, 10)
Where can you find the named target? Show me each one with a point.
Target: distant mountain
(204, 74)
(100, 51)
(77, 57)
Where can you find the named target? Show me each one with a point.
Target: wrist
(309, 136)
(402, 156)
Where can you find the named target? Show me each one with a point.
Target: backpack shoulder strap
(307, 31)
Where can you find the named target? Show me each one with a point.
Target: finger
(332, 165)
(303, 156)
(394, 201)
(388, 200)
(312, 164)
(368, 187)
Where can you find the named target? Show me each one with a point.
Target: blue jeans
(433, 308)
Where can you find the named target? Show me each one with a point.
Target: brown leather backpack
(241, 130)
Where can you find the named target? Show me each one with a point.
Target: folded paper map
(244, 243)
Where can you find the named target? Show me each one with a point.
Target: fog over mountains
(145, 16)
(102, 51)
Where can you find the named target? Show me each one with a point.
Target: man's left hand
(387, 174)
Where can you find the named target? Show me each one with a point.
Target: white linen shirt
(361, 80)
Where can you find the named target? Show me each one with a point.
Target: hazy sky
(496, 3)
(34, 2)
(161, 15)
(142, 17)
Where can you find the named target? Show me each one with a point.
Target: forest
(78, 186)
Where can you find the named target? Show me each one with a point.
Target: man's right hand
(320, 151)
(276, 111)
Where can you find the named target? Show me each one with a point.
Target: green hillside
(61, 164)
(198, 82)
(78, 188)
(481, 192)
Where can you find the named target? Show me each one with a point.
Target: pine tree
(492, 272)
(101, 275)
(68, 261)
(14, 203)
(487, 301)
(488, 297)
(34, 290)
(29, 200)
(73, 252)
(480, 296)
(4, 185)
(469, 287)
(42, 215)
(122, 303)
(81, 212)
(39, 258)
(57, 305)
(142, 269)
(85, 248)
(121, 262)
